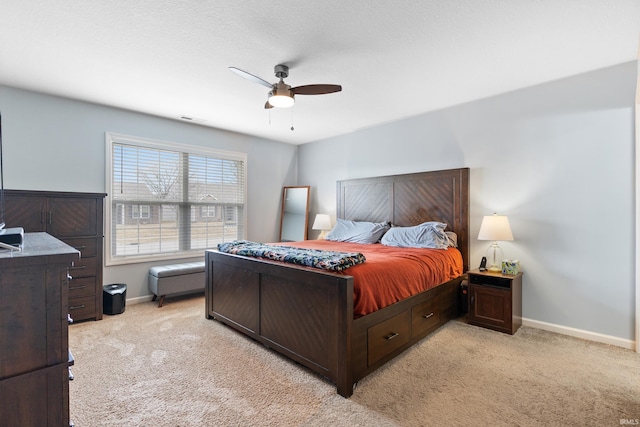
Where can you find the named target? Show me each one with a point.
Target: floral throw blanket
(327, 260)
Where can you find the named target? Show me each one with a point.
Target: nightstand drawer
(385, 337)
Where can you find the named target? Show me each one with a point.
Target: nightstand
(495, 301)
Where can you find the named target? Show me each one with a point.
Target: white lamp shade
(495, 227)
(322, 222)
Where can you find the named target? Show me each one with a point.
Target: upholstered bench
(176, 278)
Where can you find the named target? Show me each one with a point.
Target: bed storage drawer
(425, 316)
(385, 337)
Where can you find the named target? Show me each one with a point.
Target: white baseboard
(139, 300)
(147, 298)
(580, 333)
(551, 327)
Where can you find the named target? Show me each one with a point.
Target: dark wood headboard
(411, 199)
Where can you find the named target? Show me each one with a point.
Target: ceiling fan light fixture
(281, 98)
(281, 101)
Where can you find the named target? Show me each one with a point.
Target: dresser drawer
(85, 267)
(425, 316)
(385, 337)
(82, 308)
(82, 287)
(88, 246)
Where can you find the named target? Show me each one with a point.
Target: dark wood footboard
(302, 313)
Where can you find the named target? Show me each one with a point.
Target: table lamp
(323, 223)
(495, 227)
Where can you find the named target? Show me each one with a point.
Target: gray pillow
(357, 231)
(426, 235)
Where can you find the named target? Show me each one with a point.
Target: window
(171, 200)
(208, 211)
(140, 211)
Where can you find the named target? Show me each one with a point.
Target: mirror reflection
(295, 212)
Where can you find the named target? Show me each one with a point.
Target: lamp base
(494, 256)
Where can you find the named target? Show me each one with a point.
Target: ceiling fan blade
(251, 77)
(267, 105)
(315, 89)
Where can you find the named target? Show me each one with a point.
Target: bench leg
(154, 297)
(161, 301)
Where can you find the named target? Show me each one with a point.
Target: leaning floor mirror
(295, 213)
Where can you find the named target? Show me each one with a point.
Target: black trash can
(114, 298)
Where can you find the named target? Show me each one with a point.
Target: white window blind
(171, 200)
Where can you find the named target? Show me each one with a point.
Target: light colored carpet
(170, 366)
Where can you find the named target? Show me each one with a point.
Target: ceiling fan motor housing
(281, 89)
(281, 71)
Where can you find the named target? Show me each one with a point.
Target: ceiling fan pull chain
(292, 120)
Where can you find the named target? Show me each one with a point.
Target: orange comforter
(391, 274)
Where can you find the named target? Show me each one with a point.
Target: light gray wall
(556, 158)
(58, 144)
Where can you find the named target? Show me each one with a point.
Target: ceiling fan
(281, 94)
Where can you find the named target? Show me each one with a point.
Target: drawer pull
(77, 287)
(69, 277)
(391, 336)
(426, 316)
(82, 267)
(80, 247)
(76, 307)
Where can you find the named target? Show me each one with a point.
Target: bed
(307, 314)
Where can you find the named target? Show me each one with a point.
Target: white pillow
(426, 235)
(357, 231)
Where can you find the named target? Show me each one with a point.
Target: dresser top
(39, 248)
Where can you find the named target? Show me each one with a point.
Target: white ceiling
(393, 58)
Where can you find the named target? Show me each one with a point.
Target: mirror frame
(282, 210)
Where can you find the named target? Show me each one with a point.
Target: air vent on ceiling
(191, 119)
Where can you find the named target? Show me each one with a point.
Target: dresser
(34, 353)
(76, 219)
